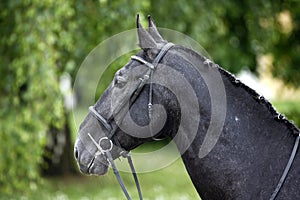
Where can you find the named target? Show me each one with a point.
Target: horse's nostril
(76, 153)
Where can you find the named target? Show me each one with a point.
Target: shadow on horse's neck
(255, 138)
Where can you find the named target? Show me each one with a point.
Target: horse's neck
(251, 145)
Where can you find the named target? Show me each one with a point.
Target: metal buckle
(100, 149)
(110, 142)
(124, 154)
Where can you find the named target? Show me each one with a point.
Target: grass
(169, 183)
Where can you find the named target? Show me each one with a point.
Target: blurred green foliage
(34, 38)
(237, 32)
(40, 40)
(290, 109)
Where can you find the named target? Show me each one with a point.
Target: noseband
(111, 131)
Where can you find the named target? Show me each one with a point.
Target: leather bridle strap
(160, 55)
(152, 67)
(162, 52)
(99, 117)
(287, 168)
(111, 131)
(107, 154)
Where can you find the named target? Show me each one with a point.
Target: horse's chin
(98, 169)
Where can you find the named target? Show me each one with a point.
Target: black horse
(233, 143)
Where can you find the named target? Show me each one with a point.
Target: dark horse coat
(248, 153)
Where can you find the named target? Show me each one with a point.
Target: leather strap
(287, 168)
(101, 119)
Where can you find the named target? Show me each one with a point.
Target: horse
(233, 142)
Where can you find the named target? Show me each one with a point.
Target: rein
(287, 168)
(106, 151)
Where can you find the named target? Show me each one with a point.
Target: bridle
(105, 143)
(111, 131)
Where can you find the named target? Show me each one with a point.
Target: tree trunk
(58, 159)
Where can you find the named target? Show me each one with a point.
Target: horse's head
(122, 118)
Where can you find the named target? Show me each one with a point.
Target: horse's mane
(259, 98)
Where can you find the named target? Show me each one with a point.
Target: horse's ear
(145, 39)
(153, 30)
